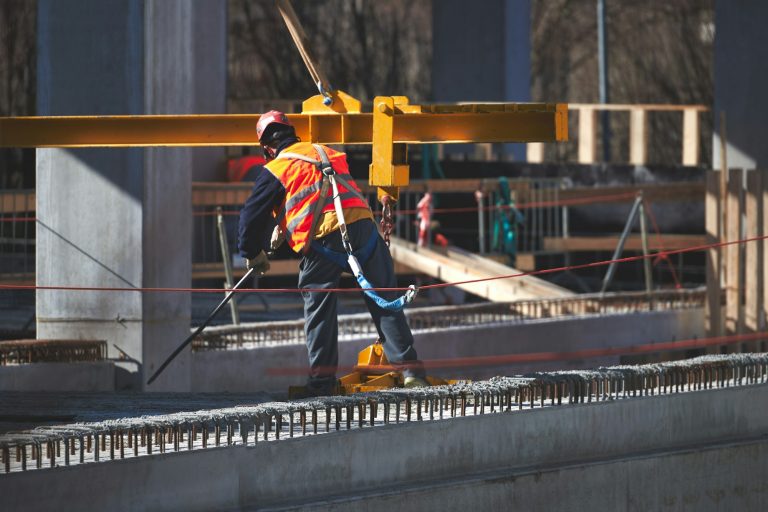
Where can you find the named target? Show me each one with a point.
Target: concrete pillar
(741, 79)
(482, 54)
(122, 217)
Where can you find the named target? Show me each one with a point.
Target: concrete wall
(703, 450)
(694, 479)
(121, 217)
(247, 370)
(741, 79)
(58, 377)
(482, 54)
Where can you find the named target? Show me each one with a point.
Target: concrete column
(482, 54)
(122, 217)
(741, 79)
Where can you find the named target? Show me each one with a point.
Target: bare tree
(17, 83)
(366, 48)
(659, 51)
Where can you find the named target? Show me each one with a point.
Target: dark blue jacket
(256, 220)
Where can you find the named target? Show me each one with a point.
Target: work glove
(260, 263)
(278, 237)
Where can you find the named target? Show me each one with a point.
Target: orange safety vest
(302, 181)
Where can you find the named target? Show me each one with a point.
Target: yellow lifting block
(342, 103)
(372, 373)
(372, 355)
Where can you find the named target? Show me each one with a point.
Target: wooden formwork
(737, 280)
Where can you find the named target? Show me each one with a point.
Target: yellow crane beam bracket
(389, 163)
(411, 124)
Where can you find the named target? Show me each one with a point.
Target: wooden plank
(638, 136)
(714, 309)
(655, 107)
(457, 265)
(534, 152)
(17, 201)
(18, 279)
(690, 137)
(492, 266)
(753, 254)
(633, 243)
(220, 194)
(483, 152)
(734, 282)
(525, 261)
(659, 192)
(225, 194)
(587, 135)
(763, 318)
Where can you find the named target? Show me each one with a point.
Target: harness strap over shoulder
(325, 163)
(297, 156)
(330, 178)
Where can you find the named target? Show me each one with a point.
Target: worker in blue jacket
(283, 205)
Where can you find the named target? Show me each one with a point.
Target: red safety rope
(664, 257)
(593, 264)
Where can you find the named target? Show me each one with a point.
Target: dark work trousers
(320, 308)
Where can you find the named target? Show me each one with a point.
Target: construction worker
(286, 202)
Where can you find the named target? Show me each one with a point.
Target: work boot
(312, 390)
(415, 382)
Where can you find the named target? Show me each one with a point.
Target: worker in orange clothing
(291, 201)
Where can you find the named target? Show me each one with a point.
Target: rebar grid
(292, 331)
(245, 425)
(60, 351)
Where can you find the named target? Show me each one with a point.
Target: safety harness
(354, 259)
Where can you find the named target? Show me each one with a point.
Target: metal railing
(546, 221)
(57, 351)
(420, 319)
(586, 136)
(17, 232)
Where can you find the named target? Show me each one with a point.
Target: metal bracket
(389, 166)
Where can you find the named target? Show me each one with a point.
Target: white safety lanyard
(330, 177)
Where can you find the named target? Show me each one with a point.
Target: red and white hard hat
(273, 116)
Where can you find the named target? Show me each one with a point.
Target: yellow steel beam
(534, 122)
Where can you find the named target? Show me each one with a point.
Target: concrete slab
(619, 455)
(243, 370)
(689, 479)
(92, 376)
(24, 410)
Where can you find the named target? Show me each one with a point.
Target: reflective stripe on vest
(308, 210)
(297, 170)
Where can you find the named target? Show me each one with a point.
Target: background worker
(285, 197)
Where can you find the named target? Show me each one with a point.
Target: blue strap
(340, 258)
(362, 255)
(393, 305)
